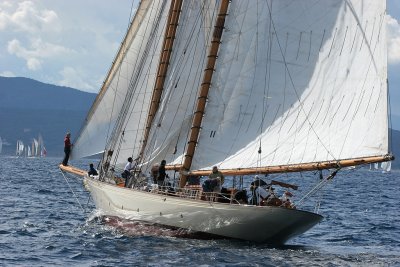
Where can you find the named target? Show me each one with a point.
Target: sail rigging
(172, 24)
(287, 88)
(126, 72)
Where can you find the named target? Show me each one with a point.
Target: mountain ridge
(29, 108)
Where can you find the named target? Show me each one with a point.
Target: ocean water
(49, 220)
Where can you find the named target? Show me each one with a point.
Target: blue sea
(47, 219)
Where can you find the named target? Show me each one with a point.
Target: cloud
(393, 27)
(74, 78)
(27, 18)
(38, 51)
(7, 74)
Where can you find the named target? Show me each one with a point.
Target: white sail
(303, 87)
(1, 145)
(35, 147)
(20, 148)
(28, 151)
(168, 137)
(126, 74)
(386, 166)
(376, 166)
(299, 88)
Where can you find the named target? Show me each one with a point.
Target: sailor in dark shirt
(161, 173)
(92, 170)
(67, 149)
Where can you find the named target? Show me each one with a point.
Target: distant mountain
(29, 108)
(24, 93)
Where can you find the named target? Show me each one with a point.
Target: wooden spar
(292, 168)
(169, 37)
(72, 170)
(205, 86)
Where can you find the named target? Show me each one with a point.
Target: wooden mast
(312, 166)
(169, 37)
(205, 86)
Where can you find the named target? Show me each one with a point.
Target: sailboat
(386, 166)
(20, 148)
(1, 145)
(252, 87)
(28, 152)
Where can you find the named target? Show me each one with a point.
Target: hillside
(29, 108)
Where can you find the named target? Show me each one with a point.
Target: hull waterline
(265, 224)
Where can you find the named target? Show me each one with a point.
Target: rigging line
(122, 120)
(131, 13)
(134, 70)
(267, 77)
(294, 88)
(84, 123)
(207, 39)
(318, 187)
(184, 57)
(70, 187)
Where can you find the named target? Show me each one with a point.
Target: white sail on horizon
(20, 148)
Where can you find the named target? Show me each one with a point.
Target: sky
(73, 42)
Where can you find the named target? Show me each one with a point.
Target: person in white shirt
(127, 170)
(257, 192)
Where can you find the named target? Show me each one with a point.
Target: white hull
(253, 223)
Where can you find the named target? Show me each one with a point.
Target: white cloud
(74, 78)
(7, 74)
(38, 51)
(393, 27)
(27, 18)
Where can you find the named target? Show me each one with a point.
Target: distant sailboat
(386, 166)
(1, 145)
(28, 151)
(43, 152)
(19, 152)
(253, 87)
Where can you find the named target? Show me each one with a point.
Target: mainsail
(294, 82)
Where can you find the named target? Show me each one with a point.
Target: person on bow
(67, 148)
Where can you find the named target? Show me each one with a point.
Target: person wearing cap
(216, 174)
(67, 148)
